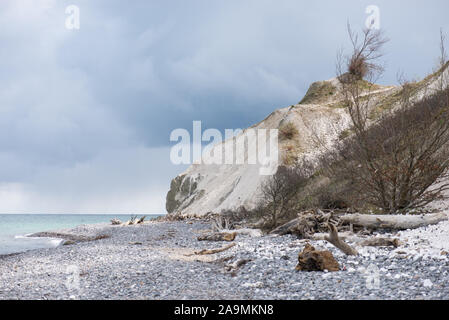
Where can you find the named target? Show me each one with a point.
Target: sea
(16, 228)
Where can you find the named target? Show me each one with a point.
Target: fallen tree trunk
(396, 222)
(213, 251)
(381, 242)
(360, 241)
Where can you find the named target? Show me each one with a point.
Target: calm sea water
(15, 227)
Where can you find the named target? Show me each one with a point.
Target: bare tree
(280, 193)
(394, 161)
(363, 62)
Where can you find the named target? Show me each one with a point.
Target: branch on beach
(339, 243)
(211, 251)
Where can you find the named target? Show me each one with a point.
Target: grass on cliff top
(319, 92)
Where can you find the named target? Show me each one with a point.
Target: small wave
(55, 242)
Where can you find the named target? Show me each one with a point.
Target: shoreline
(157, 260)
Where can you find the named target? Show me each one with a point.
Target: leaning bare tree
(397, 161)
(280, 193)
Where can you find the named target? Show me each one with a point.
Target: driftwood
(212, 251)
(219, 236)
(236, 265)
(339, 243)
(141, 220)
(314, 222)
(133, 221)
(115, 222)
(311, 259)
(360, 241)
(306, 225)
(396, 222)
(381, 242)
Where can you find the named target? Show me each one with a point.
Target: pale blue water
(14, 228)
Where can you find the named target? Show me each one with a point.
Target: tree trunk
(396, 222)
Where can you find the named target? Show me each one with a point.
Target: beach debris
(253, 233)
(306, 224)
(115, 222)
(233, 267)
(141, 220)
(311, 259)
(394, 222)
(69, 238)
(218, 236)
(134, 221)
(315, 221)
(220, 224)
(339, 243)
(212, 251)
(136, 243)
(381, 242)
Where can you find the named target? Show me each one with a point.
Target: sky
(86, 114)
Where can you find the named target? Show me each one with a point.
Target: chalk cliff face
(320, 119)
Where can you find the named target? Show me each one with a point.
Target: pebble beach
(159, 260)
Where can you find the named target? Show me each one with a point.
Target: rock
(312, 260)
(427, 283)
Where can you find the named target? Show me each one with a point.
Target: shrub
(288, 131)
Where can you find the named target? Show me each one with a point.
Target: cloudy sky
(85, 115)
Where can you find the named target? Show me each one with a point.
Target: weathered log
(360, 241)
(71, 238)
(213, 251)
(219, 236)
(381, 242)
(396, 222)
(347, 236)
(287, 228)
(339, 243)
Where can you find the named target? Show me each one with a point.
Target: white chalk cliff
(320, 120)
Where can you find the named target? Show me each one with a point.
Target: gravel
(156, 261)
